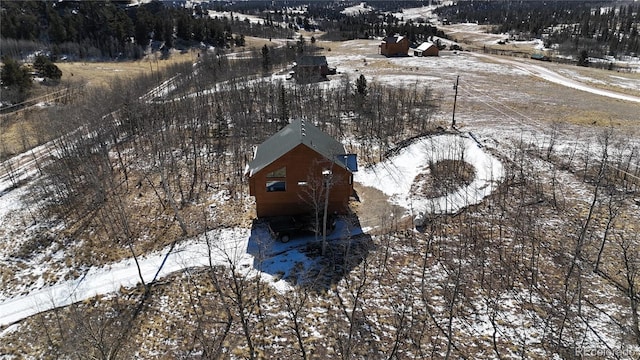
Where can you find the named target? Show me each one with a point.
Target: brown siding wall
(300, 163)
(309, 72)
(432, 51)
(391, 49)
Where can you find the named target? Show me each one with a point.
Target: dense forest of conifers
(602, 28)
(116, 30)
(113, 30)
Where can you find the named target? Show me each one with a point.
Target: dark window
(277, 180)
(276, 186)
(280, 173)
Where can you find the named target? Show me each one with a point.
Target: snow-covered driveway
(226, 245)
(395, 175)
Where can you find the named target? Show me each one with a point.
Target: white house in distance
(426, 49)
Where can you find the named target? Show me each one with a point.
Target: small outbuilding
(426, 49)
(292, 170)
(311, 68)
(396, 45)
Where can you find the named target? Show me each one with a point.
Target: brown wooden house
(292, 169)
(396, 45)
(311, 68)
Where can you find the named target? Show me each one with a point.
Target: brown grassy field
(19, 130)
(102, 73)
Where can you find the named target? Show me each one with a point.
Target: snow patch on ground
(225, 246)
(12, 217)
(611, 80)
(227, 14)
(361, 8)
(446, 65)
(421, 13)
(555, 77)
(250, 252)
(395, 176)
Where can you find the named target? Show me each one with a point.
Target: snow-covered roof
(393, 39)
(296, 133)
(424, 46)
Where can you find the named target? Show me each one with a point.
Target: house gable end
(282, 187)
(292, 135)
(293, 161)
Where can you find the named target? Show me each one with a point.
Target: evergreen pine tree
(361, 86)
(266, 58)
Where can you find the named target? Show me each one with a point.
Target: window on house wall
(280, 173)
(277, 180)
(276, 186)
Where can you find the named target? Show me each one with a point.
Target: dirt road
(552, 76)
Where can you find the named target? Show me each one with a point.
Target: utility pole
(455, 97)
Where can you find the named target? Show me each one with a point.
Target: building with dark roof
(292, 169)
(311, 68)
(396, 45)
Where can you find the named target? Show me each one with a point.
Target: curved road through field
(554, 77)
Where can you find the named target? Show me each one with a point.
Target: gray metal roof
(309, 60)
(296, 133)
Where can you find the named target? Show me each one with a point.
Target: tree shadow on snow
(300, 261)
